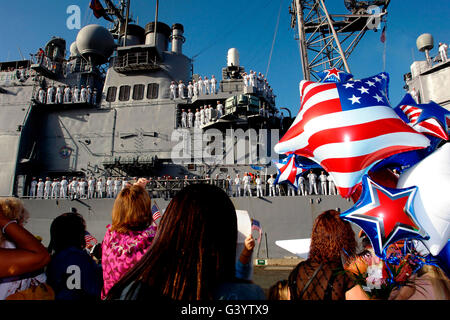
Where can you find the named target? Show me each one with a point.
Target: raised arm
(30, 255)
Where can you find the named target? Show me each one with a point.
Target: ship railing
(130, 61)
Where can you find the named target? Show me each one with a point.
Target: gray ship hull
(281, 218)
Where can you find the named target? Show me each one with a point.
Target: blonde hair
(280, 291)
(439, 281)
(13, 209)
(131, 210)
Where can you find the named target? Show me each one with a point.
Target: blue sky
(212, 27)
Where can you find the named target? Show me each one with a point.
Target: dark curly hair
(331, 236)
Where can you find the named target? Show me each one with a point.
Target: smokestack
(177, 38)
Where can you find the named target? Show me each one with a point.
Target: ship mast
(327, 40)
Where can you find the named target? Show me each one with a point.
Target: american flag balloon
(347, 128)
(334, 75)
(428, 118)
(288, 171)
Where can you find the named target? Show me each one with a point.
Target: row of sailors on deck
(258, 82)
(327, 186)
(194, 88)
(202, 116)
(65, 94)
(78, 188)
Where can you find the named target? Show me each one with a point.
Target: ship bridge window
(111, 94)
(124, 93)
(152, 91)
(138, 92)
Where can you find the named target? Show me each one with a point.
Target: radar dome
(96, 43)
(425, 42)
(233, 57)
(74, 50)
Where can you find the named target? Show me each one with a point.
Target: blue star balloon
(334, 75)
(386, 215)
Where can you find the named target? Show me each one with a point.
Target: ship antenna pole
(301, 38)
(156, 20)
(338, 43)
(126, 24)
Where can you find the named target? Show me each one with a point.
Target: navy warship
(120, 118)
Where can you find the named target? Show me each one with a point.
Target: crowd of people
(185, 257)
(202, 116)
(65, 94)
(249, 185)
(259, 83)
(193, 89)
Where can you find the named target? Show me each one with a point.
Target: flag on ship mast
(98, 10)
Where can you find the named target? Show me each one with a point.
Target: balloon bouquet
(349, 128)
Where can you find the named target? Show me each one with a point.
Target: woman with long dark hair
(193, 255)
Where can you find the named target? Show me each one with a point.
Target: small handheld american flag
(156, 213)
(257, 226)
(90, 240)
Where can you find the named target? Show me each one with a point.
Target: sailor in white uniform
(202, 116)
(219, 110)
(229, 186)
(117, 185)
(190, 119)
(83, 94)
(246, 181)
(173, 90)
(259, 190)
(124, 183)
(60, 95)
(109, 188)
(200, 86)
(197, 119)
(213, 84)
(206, 84)
(271, 183)
(312, 178)
(50, 93)
(41, 95)
(237, 183)
(183, 118)
(100, 186)
(181, 87)
(195, 88)
(40, 189)
(323, 183)
(82, 188)
(301, 186)
(245, 78)
(208, 114)
(67, 94)
(89, 94)
(63, 189)
(443, 51)
(331, 186)
(291, 190)
(252, 79)
(47, 188)
(73, 188)
(33, 186)
(91, 187)
(190, 89)
(76, 94)
(55, 189)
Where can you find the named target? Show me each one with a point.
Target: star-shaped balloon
(386, 215)
(334, 75)
(430, 118)
(289, 171)
(347, 128)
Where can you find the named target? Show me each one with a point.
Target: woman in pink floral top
(129, 236)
